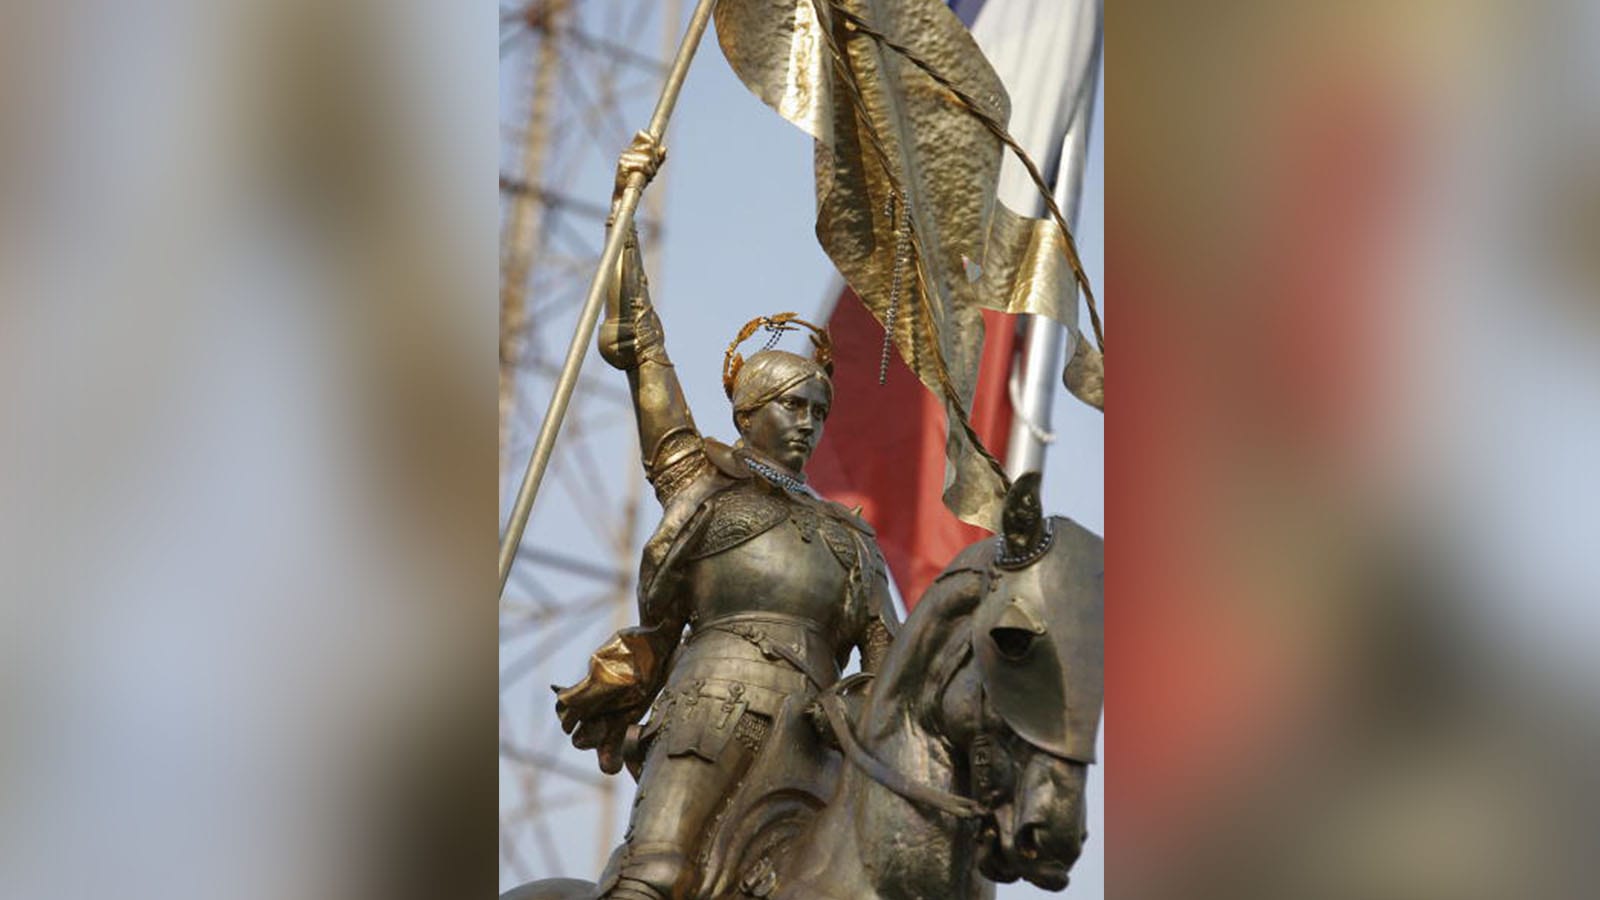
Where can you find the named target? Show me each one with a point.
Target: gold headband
(733, 361)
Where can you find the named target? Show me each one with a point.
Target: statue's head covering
(768, 373)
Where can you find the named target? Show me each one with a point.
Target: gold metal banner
(906, 175)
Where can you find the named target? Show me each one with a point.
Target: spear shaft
(589, 316)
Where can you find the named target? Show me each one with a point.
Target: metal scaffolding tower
(577, 78)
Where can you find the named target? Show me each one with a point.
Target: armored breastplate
(764, 551)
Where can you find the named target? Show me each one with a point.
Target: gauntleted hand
(645, 156)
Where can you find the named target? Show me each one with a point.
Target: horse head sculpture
(970, 752)
(1037, 638)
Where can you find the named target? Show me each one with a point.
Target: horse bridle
(983, 753)
(874, 768)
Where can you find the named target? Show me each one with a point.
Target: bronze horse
(966, 756)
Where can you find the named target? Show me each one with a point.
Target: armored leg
(674, 810)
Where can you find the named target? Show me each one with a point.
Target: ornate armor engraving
(805, 522)
(843, 544)
(679, 460)
(737, 516)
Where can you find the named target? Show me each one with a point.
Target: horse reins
(859, 756)
(980, 755)
(926, 795)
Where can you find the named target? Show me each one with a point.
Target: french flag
(883, 449)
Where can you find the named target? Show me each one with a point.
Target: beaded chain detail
(781, 479)
(1028, 557)
(902, 255)
(777, 332)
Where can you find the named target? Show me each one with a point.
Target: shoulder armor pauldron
(737, 515)
(845, 546)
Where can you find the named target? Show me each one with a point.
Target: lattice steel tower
(577, 78)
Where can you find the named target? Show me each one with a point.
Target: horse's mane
(931, 645)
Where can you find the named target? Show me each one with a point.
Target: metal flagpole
(627, 204)
(1042, 341)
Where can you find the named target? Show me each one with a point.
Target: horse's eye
(1013, 643)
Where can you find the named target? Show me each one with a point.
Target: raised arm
(631, 340)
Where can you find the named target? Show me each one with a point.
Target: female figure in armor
(752, 593)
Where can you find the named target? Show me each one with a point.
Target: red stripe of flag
(883, 447)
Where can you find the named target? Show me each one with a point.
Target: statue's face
(788, 428)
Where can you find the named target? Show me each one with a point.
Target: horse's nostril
(1028, 841)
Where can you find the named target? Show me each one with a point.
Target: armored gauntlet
(631, 332)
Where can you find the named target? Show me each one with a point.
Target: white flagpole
(1039, 370)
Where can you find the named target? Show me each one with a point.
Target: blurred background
(249, 482)
(247, 376)
(1350, 610)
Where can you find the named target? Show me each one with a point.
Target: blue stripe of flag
(967, 10)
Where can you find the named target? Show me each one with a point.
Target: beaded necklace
(780, 478)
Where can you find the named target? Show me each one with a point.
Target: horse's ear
(1023, 519)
